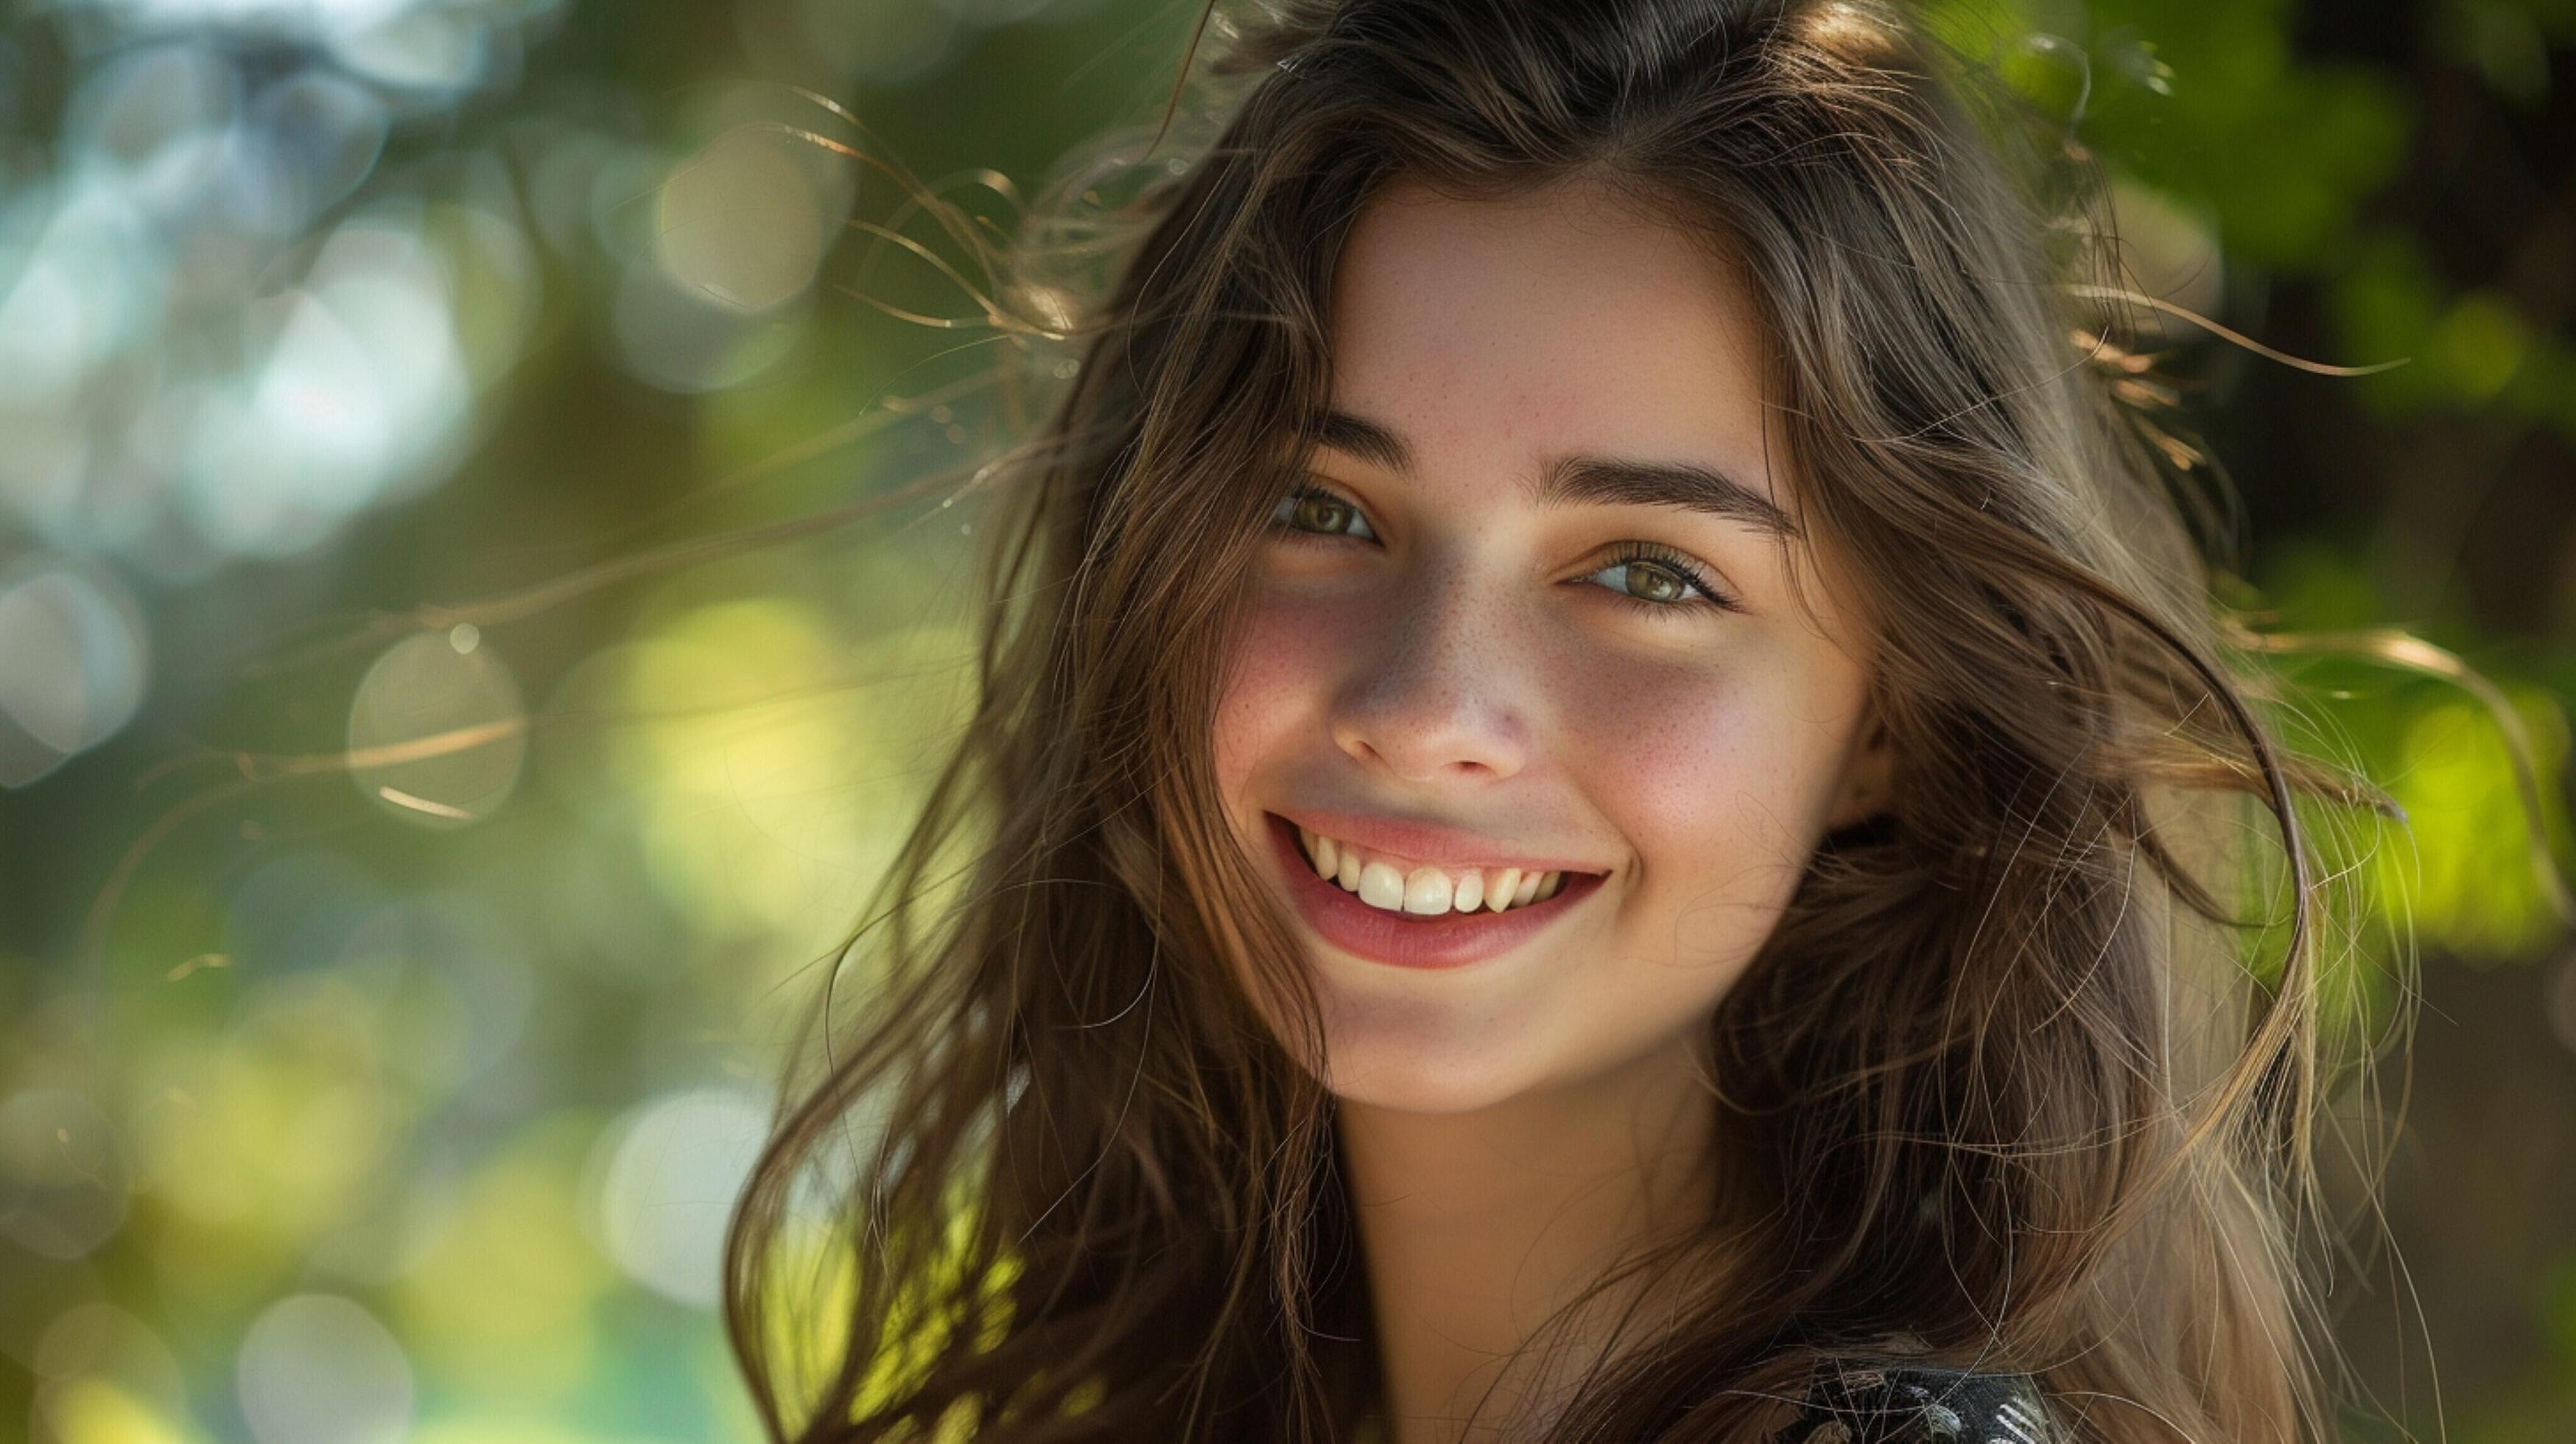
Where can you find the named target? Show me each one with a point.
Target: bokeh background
(471, 633)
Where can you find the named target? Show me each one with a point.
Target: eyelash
(1680, 564)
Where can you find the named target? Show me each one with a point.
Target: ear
(1869, 773)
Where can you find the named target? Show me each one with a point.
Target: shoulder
(1904, 1402)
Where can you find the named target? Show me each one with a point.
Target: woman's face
(1612, 676)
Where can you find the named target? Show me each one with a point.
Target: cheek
(1274, 680)
(1720, 776)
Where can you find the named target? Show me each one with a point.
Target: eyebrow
(1587, 480)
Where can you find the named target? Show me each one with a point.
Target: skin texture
(1460, 655)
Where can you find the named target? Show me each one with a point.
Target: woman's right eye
(1310, 510)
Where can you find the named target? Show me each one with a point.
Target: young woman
(1601, 755)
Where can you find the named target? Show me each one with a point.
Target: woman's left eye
(1658, 579)
(1650, 578)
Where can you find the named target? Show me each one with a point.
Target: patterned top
(1888, 1401)
(1901, 1402)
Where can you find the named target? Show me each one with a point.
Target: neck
(1477, 1226)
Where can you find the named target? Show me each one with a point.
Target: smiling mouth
(1423, 893)
(1443, 940)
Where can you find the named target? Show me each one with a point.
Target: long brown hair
(2039, 1104)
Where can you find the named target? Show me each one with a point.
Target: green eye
(1314, 511)
(1657, 579)
(1653, 579)
(1658, 585)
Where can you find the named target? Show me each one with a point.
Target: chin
(1413, 1089)
(1382, 1058)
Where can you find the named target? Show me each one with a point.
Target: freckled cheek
(1706, 769)
(1278, 674)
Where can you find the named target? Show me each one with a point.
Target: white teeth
(1382, 886)
(1425, 891)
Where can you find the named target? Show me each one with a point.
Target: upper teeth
(1381, 883)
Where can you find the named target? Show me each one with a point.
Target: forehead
(1496, 334)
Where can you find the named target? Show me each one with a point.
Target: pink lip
(1450, 940)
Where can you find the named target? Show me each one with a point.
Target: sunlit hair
(2026, 1078)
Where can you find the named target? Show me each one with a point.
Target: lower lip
(1405, 940)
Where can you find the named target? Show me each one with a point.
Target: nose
(1436, 698)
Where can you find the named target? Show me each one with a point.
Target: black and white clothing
(1894, 1401)
(1903, 1402)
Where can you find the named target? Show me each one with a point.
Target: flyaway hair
(2010, 1081)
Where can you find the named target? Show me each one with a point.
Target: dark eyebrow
(1587, 480)
(1364, 439)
